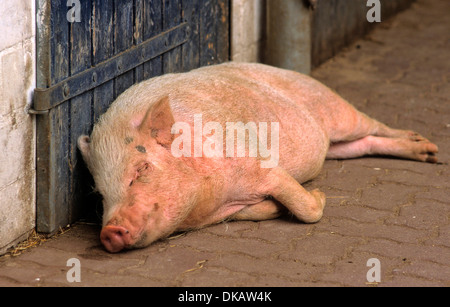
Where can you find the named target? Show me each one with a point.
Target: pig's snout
(115, 238)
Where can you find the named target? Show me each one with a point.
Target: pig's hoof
(415, 137)
(406, 134)
(316, 210)
(320, 197)
(423, 150)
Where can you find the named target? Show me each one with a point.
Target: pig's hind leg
(371, 137)
(421, 150)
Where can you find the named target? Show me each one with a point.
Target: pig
(151, 190)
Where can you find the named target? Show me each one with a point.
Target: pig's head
(143, 185)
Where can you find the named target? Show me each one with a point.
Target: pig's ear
(84, 144)
(159, 121)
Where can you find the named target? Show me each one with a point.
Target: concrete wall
(17, 140)
(337, 23)
(291, 35)
(247, 30)
(288, 35)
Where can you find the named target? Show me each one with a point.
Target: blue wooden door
(90, 51)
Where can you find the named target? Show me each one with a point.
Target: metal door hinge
(47, 98)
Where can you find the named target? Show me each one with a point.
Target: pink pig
(154, 182)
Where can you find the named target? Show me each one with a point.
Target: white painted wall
(17, 128)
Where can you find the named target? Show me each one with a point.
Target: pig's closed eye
(142, 172)
(144, 168)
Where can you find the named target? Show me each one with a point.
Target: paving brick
(394, 210)
(407, 252)
(352, 270)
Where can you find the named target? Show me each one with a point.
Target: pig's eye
(142, 172)
(144, 168)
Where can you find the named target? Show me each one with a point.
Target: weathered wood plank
(223, 31)
(153, 26)
(53, 133)
(43, 79)
(59, 170)
(123, 39)
(190, 50)
(59, 42)
(103, 95)
(102, 49)
(80, 109)
(138, 35)
(207, 33)
(172, 17)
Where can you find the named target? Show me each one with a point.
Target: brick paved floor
(394, 210)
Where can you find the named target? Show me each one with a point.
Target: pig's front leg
(266, 210)
(306, 206)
